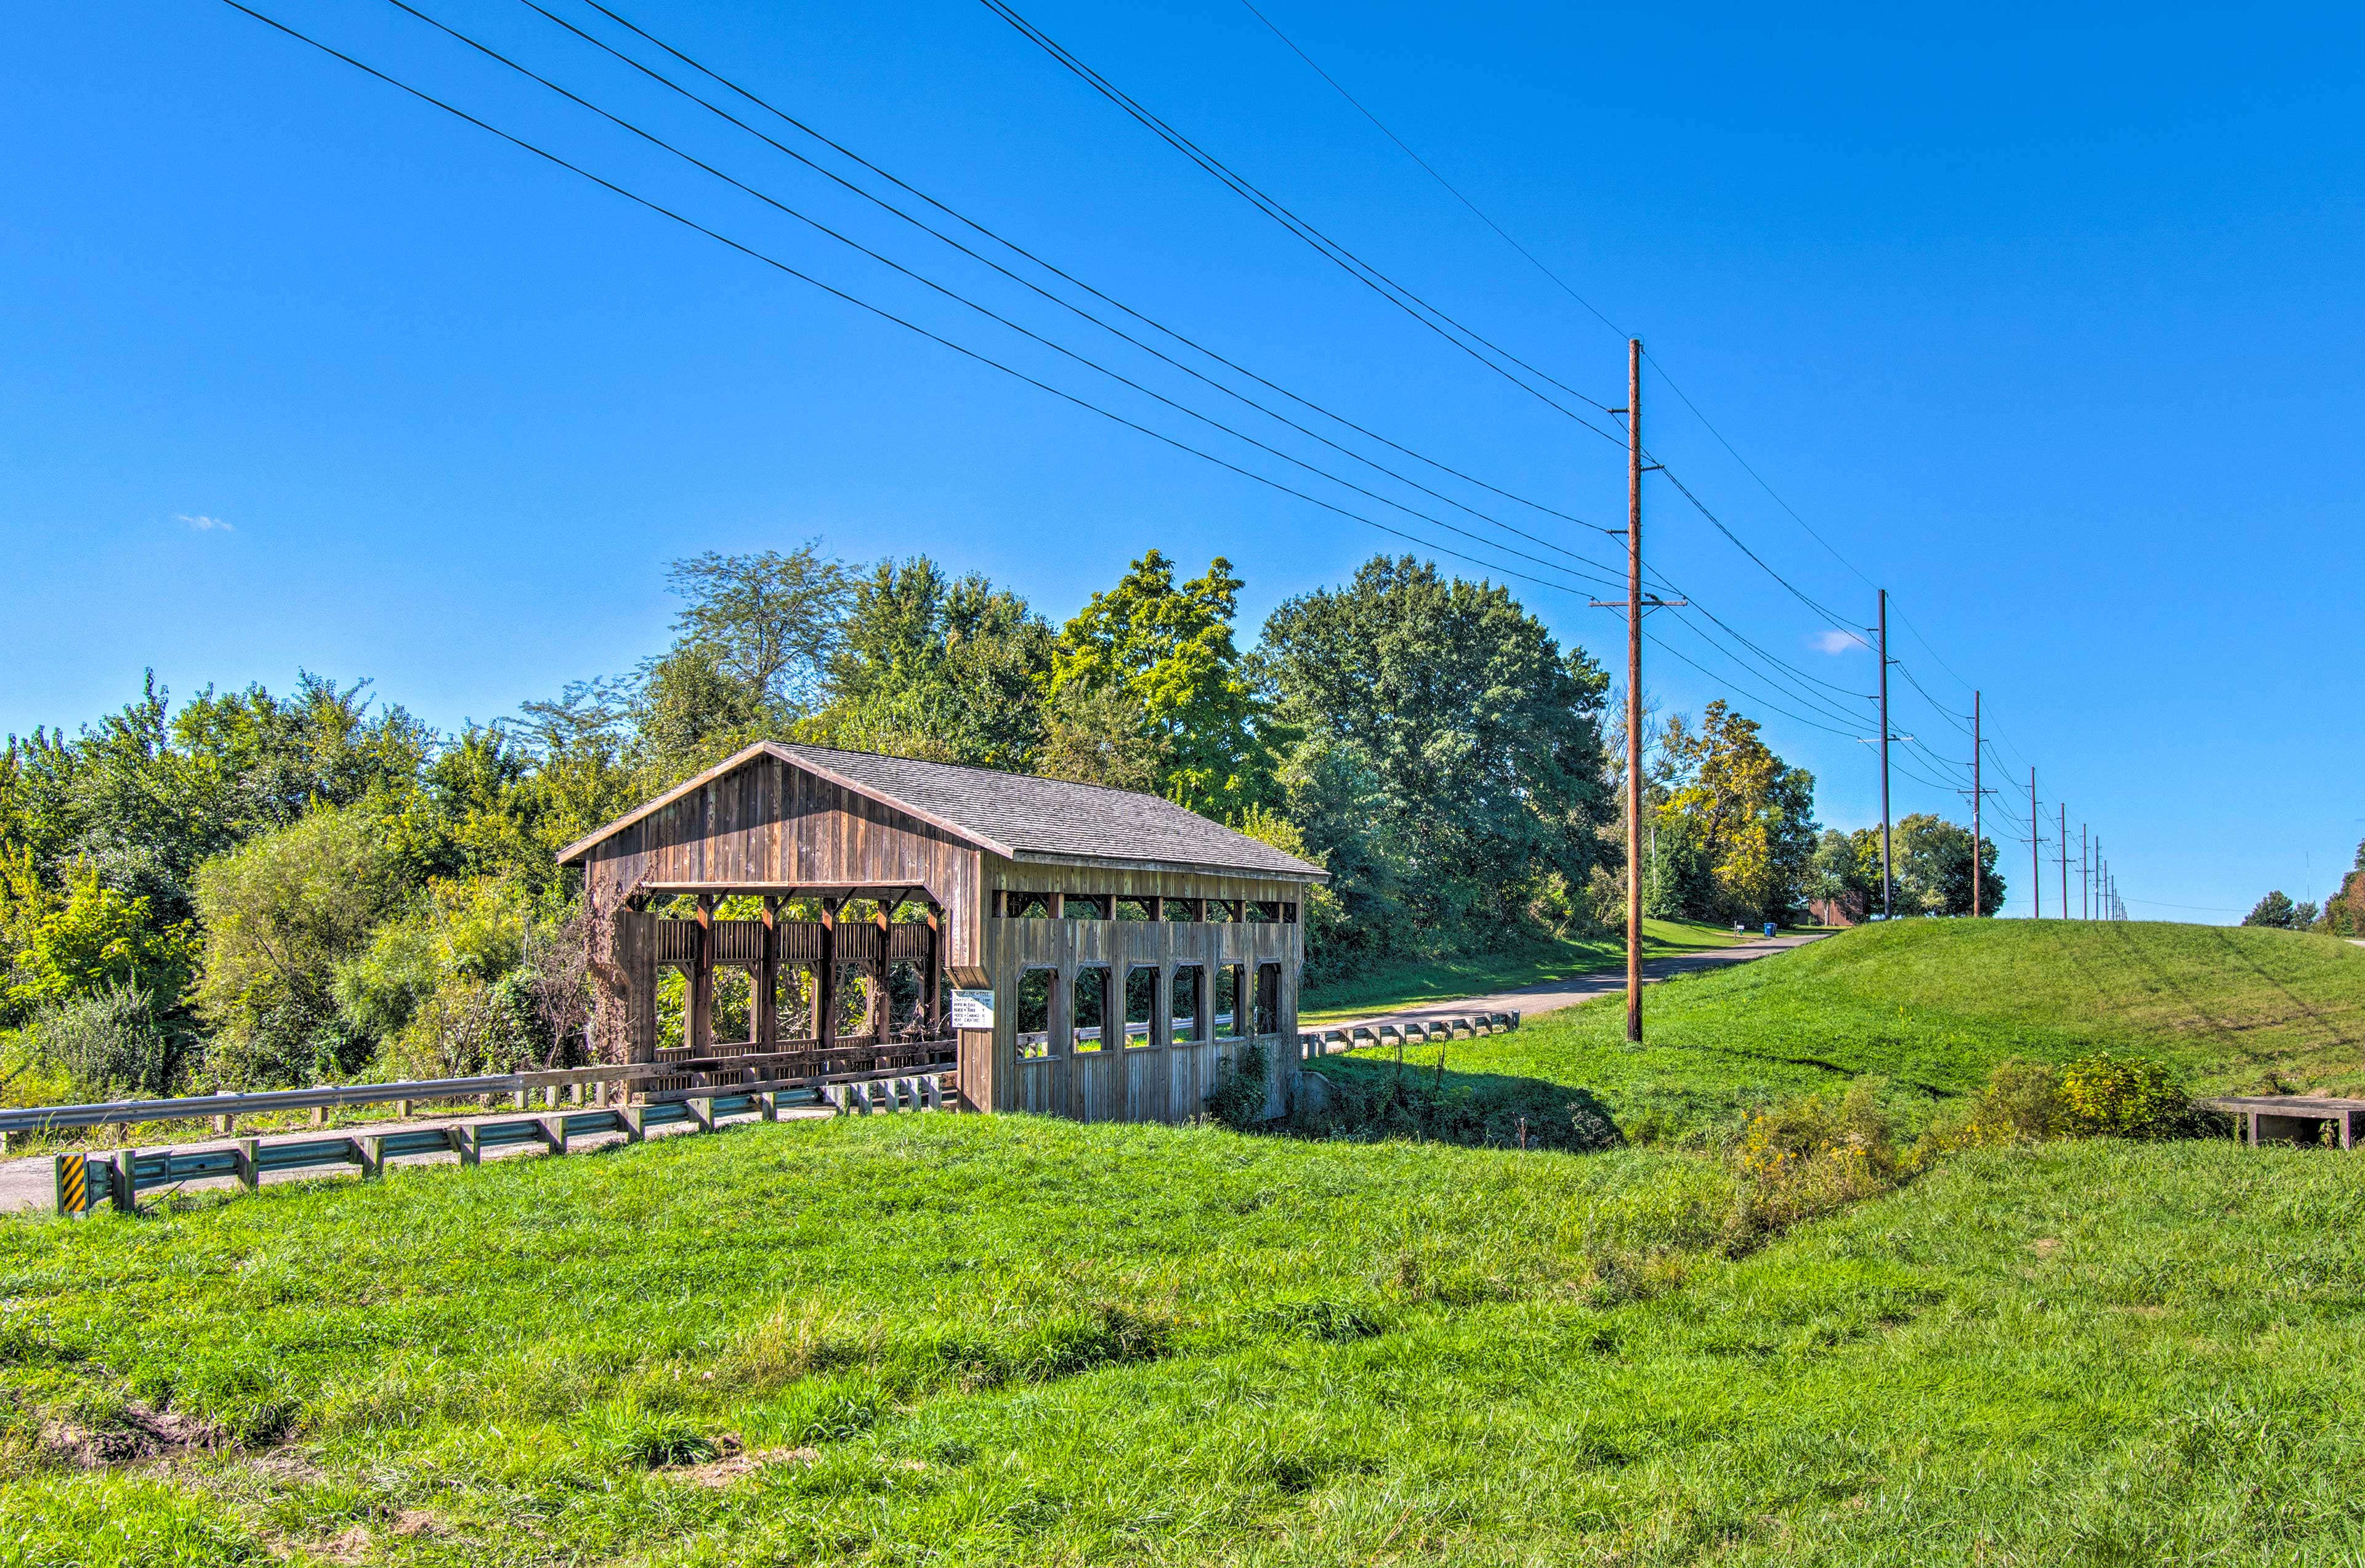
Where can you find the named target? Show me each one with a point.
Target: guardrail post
(250, 1175)
(72, 1184)
(319, 1116)
(517, 1101)
(635, 1128)
(118, 1181)
(402, 1110)
(701, 1112)
(222, 1124)
(464, 1142)
(553, 1133)
(769, 1105)
(372, 1152)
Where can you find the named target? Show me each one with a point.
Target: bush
(2096, 1096)
(110, 1044)
(1367, 1101)
(1238, 1097)
(1808, 1158)
(2112, 1096)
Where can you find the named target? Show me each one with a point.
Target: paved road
(1552, 995)
(31, 1183)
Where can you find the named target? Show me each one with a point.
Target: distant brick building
(1846, 909)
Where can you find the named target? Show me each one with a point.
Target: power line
(1015, 248)
(990, 314)
(776, 264)
(1559, 281)
(1404, 298)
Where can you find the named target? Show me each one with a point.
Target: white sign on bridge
(972, 1009)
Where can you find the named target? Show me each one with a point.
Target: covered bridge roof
(1013, 814)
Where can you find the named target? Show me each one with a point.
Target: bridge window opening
(1230, 1016)
(1092, 1007)
(1087, 906)
(906, 982)
(1140, 1003)
(1026, 906)
(1133, 909)
(1268, 999)
(1035, 1011)
(1190, 1019)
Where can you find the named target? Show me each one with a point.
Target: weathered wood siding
(1161, 1082)
(771, 825)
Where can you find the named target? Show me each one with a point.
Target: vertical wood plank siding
(773, 826)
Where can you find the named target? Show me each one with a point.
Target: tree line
(252, 888)
(2342, 913)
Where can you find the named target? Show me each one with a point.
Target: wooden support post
(768, 1105)
(881, 1002)
(825, 1020)
(702, 1113)
(372, 1148)
(517, 1101)
(553, 1134)
(932, 988)
(1162, 1006)
(249, 1163)
(223, 1126)
(766, 980)
(121, 1173)
(319, 1116)
(698, 1031)
(462, 1139)
(403, 1109)
(635, 1129)
(550, 1096)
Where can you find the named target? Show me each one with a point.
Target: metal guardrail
(226, 1108)
(85, 1181)
(1314, 1042)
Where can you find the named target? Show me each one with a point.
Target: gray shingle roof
(1049, 816)
(1012, 812)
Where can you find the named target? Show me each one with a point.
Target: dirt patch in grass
(736, 1463)
(140, 1432)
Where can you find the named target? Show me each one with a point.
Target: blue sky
(2046, 321)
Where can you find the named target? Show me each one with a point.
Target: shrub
(2103, 1095)
(1237, 1100)
(110, 1044)
(1367, 1100)
(1811, 1156)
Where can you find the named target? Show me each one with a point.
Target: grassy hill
(1445, 980)
(977, 1340)
(1932, 1005)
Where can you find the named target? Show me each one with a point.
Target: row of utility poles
(2098, 892)
(2098, 887)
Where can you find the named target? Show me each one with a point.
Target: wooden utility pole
(1634, 604)
(2064, 860)
(2036, 856)
(1887, 882)
(2084, 908)
(1977, 868)
(1633, 690)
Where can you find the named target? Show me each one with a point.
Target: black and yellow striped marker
(74, 1183)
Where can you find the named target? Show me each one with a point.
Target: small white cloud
(1826, 641)
(206, 524)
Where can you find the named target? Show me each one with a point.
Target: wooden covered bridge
(1064, 947)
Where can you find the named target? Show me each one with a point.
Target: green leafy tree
(765, 623)
(1449, 765)
(1932, 859)
(95, 939)
(1168, 649)
(950, 669)
(281, 913)
(2275, 910)
(1748, 814)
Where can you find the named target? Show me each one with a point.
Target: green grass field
(1445, 980)
(897, 1340)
